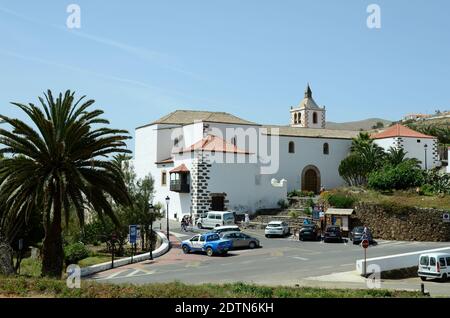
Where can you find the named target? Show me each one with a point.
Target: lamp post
(167, 216)
(425, 147)
(151, 211)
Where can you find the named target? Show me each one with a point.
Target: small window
(202, 238)
(424, 261)
(194, 239)
(175, 142)
(448, 261)
(234, 141)
(211, 216)
(163, 178)
(314, 118)
(442, 262)
(291, 147)
(432, 261)
(418, 140)
(326, 149)
(218, 217)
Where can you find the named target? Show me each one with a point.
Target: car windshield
(424, 261)
(358, 229)
(274, 225)
(333, 229)
(228, 216)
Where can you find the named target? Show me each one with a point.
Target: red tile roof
(168, 160)
(180, 168)
(214, 143)
(400, 131)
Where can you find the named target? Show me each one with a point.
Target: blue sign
(133, 234)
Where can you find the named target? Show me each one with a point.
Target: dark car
(357, 235)
(309, 232)
(332, 233)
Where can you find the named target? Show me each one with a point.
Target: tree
(63, 160)
(365, 156)
(378, 125)
(396, 156)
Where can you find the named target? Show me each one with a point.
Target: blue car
(210, 243)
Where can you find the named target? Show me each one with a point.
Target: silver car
(240, 240)
(276, 228)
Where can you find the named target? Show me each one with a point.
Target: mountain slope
(365, 124)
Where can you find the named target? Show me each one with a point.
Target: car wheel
(300, 238)
(224, 253)
(185, 249)
(423, 278)
(444, 278)
(209, 251)
(252, 245)
(199, 225)
(217, 225)
(267, 235)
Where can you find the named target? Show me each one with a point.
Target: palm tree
(61, 162)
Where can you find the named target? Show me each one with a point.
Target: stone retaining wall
(402, 223)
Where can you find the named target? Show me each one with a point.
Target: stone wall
(402, 223)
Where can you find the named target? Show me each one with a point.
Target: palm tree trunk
(53, 253)
(6, 264)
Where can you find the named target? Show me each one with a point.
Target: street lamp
(167, 216)
(151, 211)
(425, 147)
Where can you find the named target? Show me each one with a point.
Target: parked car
(227, 228)
(215, 219)
(309, 232)
(211, 243)
(357, 235)
(332, 233)
(240, 239)
(276, 228)
(434, 265)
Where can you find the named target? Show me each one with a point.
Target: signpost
(133, 232)
(365, 245)
(446, 217)
(113, 242)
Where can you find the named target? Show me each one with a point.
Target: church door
(311, 180)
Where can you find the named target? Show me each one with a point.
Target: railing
(178, 186)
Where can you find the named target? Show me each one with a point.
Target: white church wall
(415, 149)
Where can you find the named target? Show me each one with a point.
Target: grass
(30, 267)
(19, 286)
(92, 260)
(406, 198)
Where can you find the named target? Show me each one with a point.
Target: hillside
(365, 124)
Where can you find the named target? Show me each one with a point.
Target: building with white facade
(216, 161)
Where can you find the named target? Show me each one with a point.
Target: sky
(143, 59)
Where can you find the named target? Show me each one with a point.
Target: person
(183, 224)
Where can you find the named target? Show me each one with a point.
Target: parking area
(280, 261)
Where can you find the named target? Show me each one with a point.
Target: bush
(403, 176)
(340, 201)
(282, 204)
(75, 252)
(439, 183)
(294, 214)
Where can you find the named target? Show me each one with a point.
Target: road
(281, 261)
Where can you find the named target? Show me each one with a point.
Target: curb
(163, 249)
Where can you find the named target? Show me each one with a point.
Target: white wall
(309, 151)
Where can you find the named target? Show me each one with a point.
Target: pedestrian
(183, 224)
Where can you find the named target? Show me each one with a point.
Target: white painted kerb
(89, 270)
(398, 261)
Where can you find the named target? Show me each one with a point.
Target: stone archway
(311, 179)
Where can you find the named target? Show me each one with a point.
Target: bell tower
(308, 114)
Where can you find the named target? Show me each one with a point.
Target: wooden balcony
(179, 186)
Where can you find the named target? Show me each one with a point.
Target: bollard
(422, 288)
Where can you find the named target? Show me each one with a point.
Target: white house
(216, 161)
(415, 144)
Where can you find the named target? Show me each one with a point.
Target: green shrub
(439, 183)
(293, 214)
(282, 204)
(75, 252)
(403, 176)
(340, 201)
(426, 189)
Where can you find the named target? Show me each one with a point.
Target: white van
(434, 265)
(214, 219)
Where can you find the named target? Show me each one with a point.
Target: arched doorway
(311, 179)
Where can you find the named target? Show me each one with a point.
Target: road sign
(133, 233)
(365, 243)
(446, 217)
(321, 214)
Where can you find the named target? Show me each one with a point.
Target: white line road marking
(349, 264)
(300, 258)
(113, 275)
(133, 273)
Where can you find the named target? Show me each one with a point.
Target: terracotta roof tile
(214, 143)
(400, 131)
(180, 168)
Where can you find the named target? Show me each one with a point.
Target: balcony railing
(178, 186)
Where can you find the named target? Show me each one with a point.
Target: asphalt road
(280, 261)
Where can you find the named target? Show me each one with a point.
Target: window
(194, 239)
(163, 178)
(418, 140)
(424, 261)
(314, 118)
(448, 261)
(175, 142)
(202, 238)
(291, 147)
(326, 149)
(299, 119)
(432, 261)
(442, 262)
(234, 141)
